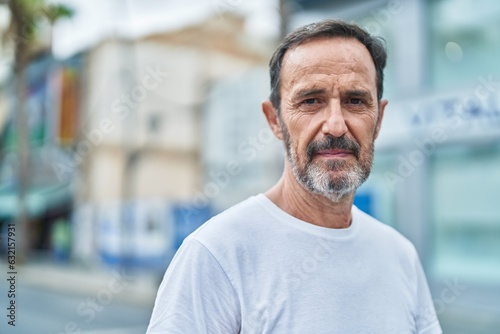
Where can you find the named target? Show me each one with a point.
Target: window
(465, 202)
(464, 42)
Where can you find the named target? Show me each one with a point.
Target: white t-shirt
(256, 269)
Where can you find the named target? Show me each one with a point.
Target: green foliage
(30, 13)
(28, 17)
(51, 11)
(54, 12)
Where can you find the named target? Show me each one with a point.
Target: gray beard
(317, 179)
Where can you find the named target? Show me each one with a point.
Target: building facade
(153, 150)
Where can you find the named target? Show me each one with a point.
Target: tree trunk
(20, 39)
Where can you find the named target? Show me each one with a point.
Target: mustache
(329, 143)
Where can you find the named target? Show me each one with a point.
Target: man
(301, 258)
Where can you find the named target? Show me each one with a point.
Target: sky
(95, 20)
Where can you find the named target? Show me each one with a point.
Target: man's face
(330, 115)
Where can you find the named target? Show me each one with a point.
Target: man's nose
(334, 122)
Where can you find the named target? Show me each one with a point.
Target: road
(40, 311)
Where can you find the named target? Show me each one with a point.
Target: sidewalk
(132, 287)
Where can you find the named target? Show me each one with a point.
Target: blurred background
(125, 125)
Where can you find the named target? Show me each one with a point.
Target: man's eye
(355, 101)
(310, 101)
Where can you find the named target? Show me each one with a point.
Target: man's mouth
(333, 147)
(335, 153)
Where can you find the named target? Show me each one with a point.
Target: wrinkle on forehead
(329, 59)
(349, 81)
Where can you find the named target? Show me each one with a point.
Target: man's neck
(294, 199)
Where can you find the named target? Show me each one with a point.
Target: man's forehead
(338, 55)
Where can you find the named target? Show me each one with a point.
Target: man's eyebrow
(357, 93)
(310, 92)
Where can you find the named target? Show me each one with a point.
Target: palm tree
(26, 18)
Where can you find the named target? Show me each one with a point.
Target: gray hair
(327, 29)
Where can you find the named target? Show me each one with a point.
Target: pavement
(134, 287)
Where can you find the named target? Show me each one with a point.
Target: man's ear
(381, 110)
(272, 118)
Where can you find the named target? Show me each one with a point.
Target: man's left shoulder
(383, 233)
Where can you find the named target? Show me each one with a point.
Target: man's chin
(334, 195)
(337, 182)
(335, 171)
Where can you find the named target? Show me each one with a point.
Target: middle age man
(301, 258)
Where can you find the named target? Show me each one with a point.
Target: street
(40, 311)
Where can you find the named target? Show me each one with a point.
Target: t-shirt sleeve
(195, 296)
(426, 318)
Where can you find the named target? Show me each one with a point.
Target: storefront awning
(38, 200)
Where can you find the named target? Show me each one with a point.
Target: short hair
(330, 28)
